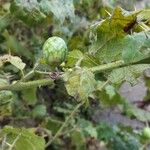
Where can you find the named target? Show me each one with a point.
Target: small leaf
(78, 140)
(6, 99)
(52, 124)
(129, 73)
(87, 128)
(140, 114)
(15, 46)
(136, 47)
(17, 62)
(109, 96)
(14, 60)
(39, 111)
(27, 11)
(29, 96)
(73, 57)
(105, 132)
(86, 60)
(24, 139)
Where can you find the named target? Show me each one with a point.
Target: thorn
(134, 8)
(108, 12)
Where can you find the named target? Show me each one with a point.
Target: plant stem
(145, 145)
(30, 74)
(107, 66)
(64, 124)
(14, 142)
(68, 119)
(27, 85)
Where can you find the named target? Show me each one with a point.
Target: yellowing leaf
(17, 62)
(111, 38)
(80, 83)
(14, 60)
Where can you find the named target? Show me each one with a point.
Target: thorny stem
(20, 85)
(69, 117)
(107, 66)
(64, 124)
(27, 85)
(30, 74)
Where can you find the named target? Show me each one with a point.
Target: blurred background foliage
(24, 26)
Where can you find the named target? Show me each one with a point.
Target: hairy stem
(30, 74)
(64, 124)
(107, 66)
(27, 85)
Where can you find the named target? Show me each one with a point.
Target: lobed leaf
(129, 73)
(80, 83)
(22, 138)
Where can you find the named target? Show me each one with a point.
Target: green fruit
(146, 132)
(39, 111)
(54, 51)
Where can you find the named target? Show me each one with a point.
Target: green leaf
(109, 96)
(128, 73)
(136, 47)
(108, 35)
(27, 11)
(39, 111)
(87, 128)
(140, 114)
(52, 124)
(29, 96)
(60, 8)
(73, 57)
(78, 139)
(17, 62)
(6, 99)
(85, 59)
(105, 132)
(22, 139)
(14, 60)
(14, 46)
(4, 22)
(80, 83)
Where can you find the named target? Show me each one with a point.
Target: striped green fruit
(54, 51)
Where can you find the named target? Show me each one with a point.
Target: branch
(64, 124)
(27, 85)
(107, 66)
